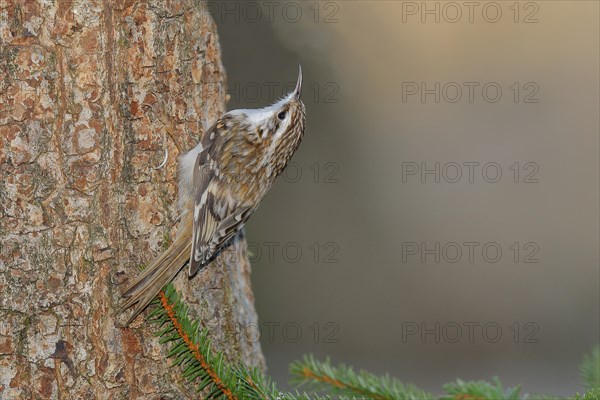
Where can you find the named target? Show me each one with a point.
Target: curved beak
(298, 89)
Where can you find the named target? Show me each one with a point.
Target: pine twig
(342, 380)
(194, 349)
(191, 349)
(480, 390)
(590, 369)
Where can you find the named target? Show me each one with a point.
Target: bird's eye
(281, 115)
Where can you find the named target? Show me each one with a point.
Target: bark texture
(81, 206)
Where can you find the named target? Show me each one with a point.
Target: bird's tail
(154, 277)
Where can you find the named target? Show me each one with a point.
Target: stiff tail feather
(162, 270)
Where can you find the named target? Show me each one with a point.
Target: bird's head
(266, 138)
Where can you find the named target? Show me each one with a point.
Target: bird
(222, 181)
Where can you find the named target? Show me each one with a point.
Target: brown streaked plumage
(221, 182)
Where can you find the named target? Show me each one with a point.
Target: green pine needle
(480, 390)
(190, 349)
(342, 380)
(593, 394)
(590, 369)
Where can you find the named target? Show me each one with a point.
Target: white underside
(186, 174)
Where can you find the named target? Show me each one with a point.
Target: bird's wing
(217, 216)
(209, 209)
(231, 225)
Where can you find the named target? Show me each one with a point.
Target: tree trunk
(84, 84)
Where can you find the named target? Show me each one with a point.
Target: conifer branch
(590, 369)
(342, 380)
(211, 374)
(480, 390)
(191, 350)
(593, 394)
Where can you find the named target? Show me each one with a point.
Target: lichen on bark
(81, 206)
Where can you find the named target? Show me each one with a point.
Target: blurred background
(441, 218)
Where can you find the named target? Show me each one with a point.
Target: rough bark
(81, 205)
